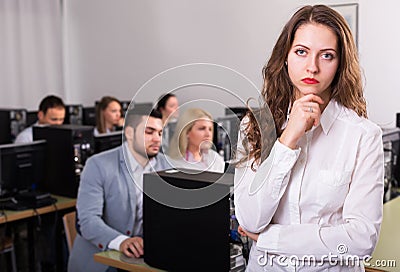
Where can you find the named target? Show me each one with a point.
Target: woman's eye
(327, 56)
(300, 52)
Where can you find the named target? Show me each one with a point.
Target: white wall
(115, 46)
(379, 44)
(119, 45)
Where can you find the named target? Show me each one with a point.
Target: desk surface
(62, 203)
(113, 258)
(386, 256)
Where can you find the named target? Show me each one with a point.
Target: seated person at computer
(190, 146)
(168, 106)
(109, 204)
(51, 112)
(108, 115)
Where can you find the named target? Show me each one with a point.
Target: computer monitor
(391, 148)
(12, 122)
(31, 118)
(21, 166)
(68, 148)
(89, 116)
(226, 130)
(105, 141)
(191, 213)
(167, 135)
(145, 107)
(73, 114)
(125, 106)
(239, 111)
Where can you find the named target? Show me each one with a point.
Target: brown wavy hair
(100, 108)
(278, 90)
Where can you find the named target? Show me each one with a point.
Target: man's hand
(132, 247)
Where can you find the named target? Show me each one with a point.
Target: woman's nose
(312, 65)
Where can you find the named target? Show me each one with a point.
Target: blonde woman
(190, 146)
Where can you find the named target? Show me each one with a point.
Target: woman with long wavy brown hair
(108, 115)
(315, 189)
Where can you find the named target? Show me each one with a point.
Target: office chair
(69, 220)
(7, 246)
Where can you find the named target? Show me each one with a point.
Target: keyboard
(12, 205)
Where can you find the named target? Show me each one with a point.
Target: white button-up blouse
(325, 197)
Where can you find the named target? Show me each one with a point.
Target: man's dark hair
(135, 115)
(49, 102)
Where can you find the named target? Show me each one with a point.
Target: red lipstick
(310, 80)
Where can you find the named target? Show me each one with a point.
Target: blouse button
(100, 246)
(128, 232)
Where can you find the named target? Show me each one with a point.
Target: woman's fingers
(304, 114)
(242, 231)
(309, 107)
(311, 98)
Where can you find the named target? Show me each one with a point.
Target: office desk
(62, 204)
(113, 258)
(387, 250)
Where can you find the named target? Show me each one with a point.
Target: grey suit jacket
(106, 207)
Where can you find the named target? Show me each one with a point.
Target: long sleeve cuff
(115, 243)
(269, 239)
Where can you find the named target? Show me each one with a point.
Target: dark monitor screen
(391, 148)
(73, 114)
(190, 211)
(125, 106)
(107, 141)
(12, 122)
(89, 116)
(239, 111)
(31, 118)
(21, 166)
(226, 130)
